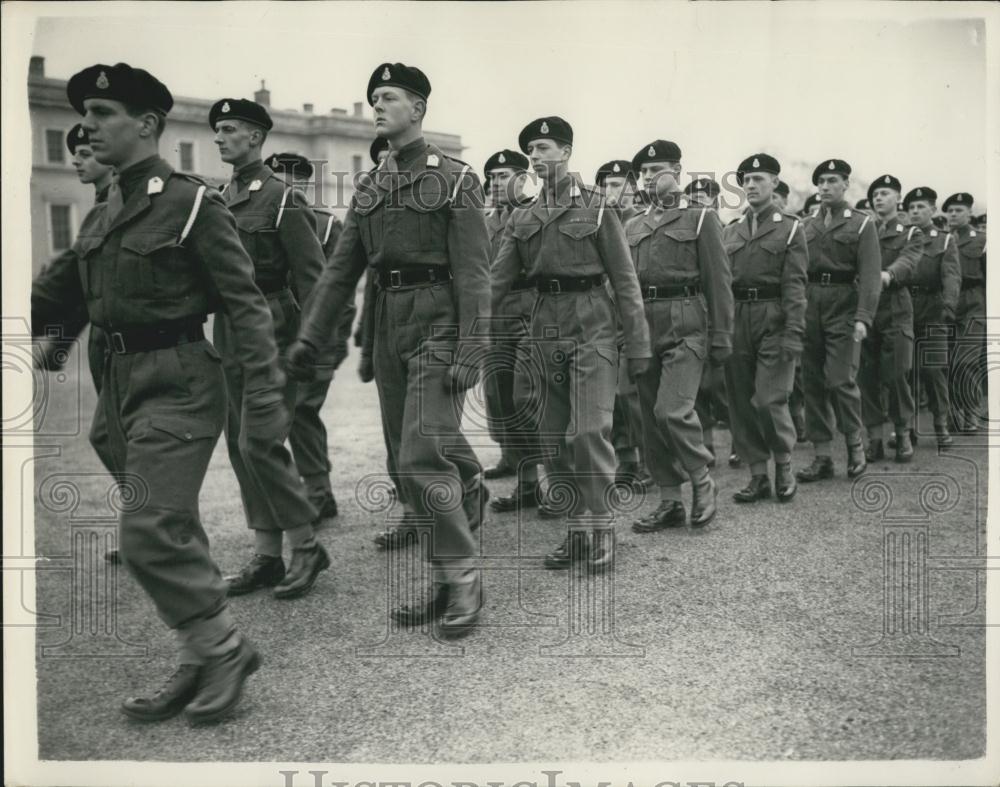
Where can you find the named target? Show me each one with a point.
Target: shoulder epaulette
(197, 180)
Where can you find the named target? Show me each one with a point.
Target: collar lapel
(139, 202)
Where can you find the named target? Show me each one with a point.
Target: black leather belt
(968, 284)
(408, 277)
(553, 285)
(832, 277)
(668, 293)
(919, 289)
(153, 337)
(271, 287)
(522, 283)
(770, 292)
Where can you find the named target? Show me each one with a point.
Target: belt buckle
(752, 294)
(117, 342)
(824, 278)
(395, 278)
(555, 288)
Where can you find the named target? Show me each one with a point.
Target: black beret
(862, 204)
(399, 75)
(77, 136)
(378, 145)
(119, 82)
(961, 198)
(782, 189)
(811, 200)
(505, 158)
(239, 109)
(758, 162)
(919, 193)
(618, 168)
(554, 128)
(703, 186)
(658, 150)
(292, 163)
(832, 165)
(884, 182)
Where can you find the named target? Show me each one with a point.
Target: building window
(186, 155)
(356, 164)
(55, 152)
(60, 226)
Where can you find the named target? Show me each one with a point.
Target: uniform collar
(254, 170)
(130, 178)
(410, 152)
(102, 195)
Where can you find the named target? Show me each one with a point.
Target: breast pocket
(677, 245)
(528, 237)
(91, 278)
(417, 220)
(260, 238)
(845, 246)
(151, 264)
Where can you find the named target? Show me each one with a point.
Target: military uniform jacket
(576, 235)
(972, 255)
(901, 248)
(683, 246)
(328, 228)
(278, 229)
(172, 254)
(496, 220)
(850, 244)
(939, 268)
(777, 256)
(429, 213)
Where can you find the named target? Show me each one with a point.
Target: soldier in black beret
(811, 203)
(149, 265)
(553, 128)
(780, 196)
(968, 353)
(617, 181)
(416, 222)
(842, 294)
(887, 353)
(685, 280)
(703, 192)
(934, 287)
(308, 436)
(504, 175)
(864, 204)
(278, 229)
(378, 150)
(767, 250)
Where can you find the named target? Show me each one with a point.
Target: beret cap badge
(617, 168)
(81, 133)
(102, 81)
(544, 127)
(386, 74)
(502, 159)
(651, 151)
(225, 107)
(831, 165)
(756, 162)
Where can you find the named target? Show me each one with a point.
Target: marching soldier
(934, 288)
(617, 182)
(968, 357)
(418, 224)
(810, 206)
(567, 241)
(887, 353)
(278, 231)
(767, 249)
(712, 403)
(508, 390)
(308, 437)
(150, 264)
(842, 295)
(688, 304)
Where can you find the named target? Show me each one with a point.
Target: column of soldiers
(611, 328)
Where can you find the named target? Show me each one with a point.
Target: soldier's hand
(948, 316)
(719, 355)
(366, 369)
(860, 331)
(267, 421)
(300, 360)
(637, 367)
(886, 279)
(461, 378)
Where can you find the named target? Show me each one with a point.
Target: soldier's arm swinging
(905, 265)
(951, 278)
(793, 290)
(618, 264)
(506, 266)
(298, 238)
(869, 274)
(717, 280)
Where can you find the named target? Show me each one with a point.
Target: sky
(882, 86)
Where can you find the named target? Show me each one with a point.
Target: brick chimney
(359, 109)
(307, 108)
(263, 96)
(36, 67)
